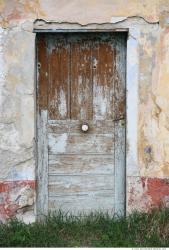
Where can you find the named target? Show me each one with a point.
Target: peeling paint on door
(87, 87)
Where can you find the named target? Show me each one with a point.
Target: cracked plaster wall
(17, 132)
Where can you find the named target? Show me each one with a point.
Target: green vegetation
(95, 230)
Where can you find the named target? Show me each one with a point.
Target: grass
(95, 230)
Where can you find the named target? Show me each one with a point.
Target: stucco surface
(17, 92)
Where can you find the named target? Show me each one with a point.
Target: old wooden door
(81, 81)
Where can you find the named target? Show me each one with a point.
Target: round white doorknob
(85, 127)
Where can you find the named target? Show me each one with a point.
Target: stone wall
(147, 183)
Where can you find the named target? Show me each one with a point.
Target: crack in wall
(51, 25)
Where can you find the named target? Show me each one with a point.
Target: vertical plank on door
(119, 78)
(81, 80)
(58, 88)
(103, 82)
(42, 73)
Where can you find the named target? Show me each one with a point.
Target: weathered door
(81, 81)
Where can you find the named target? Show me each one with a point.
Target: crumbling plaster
(148, 21)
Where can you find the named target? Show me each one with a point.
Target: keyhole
(39, 65)
(94, 63)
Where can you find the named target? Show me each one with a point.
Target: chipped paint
(59, 145)
(100, 101)
(62, 105)
(148, 192)
(16, 197)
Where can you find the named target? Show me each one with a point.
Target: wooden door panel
(74, 126)
(80, 183)
(81, 143)
(80, 204)
(81, 164)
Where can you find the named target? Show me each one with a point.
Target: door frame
(132, 82)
